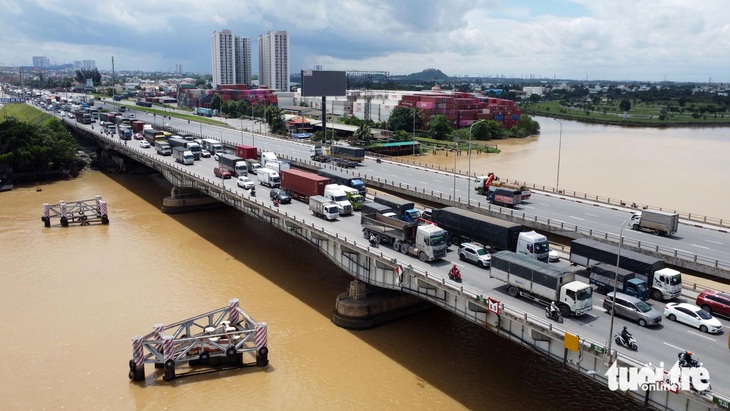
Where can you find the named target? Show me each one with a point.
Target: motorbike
(553, 315)
(252, 192)
(373, 241)
(455, 274)
(693, 363)
(378, 160)
(631, 343)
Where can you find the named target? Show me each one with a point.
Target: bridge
(575, 344)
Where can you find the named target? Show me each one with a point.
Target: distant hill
(429, 74)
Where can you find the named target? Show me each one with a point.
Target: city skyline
(672, 40)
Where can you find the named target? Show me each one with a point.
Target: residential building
(40, 61)
(274, 60)
(230, 58)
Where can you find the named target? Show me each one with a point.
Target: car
(553, 256)
(693, 316)
(475, 253)
(280, 194)
(130, 115)
(222, 172)
(245, 183)
(138, 136)
(144, 144)
(216, 155)
(714, 302)
(632, 308)
(204, 153)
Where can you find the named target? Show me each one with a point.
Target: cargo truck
(205, 112)
(533, 244)
(278, 165)
(253, 165)
(182, 155)
(507, 197)
(348, 153)
(337, 195)
(214, 146)
(268, 177)
(324, 208)
(664, 283)
(655, 222)
(267, 156)
(137, 126)
(339, 177)
(236, 165)
(163, 148)
(246, 152)
(354, 197)
(466, 226)
(369, 207)
(302, 184)
(404, 209)
(603, 277)
(153, 136)
(482, 184)
(195, 148)
(125, 133)
(426, 241)
(542, 282)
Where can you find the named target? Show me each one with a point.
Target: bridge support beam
(365, 306)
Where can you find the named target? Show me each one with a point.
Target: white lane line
(423, 182)
(576, 218)
(701, 335)
(700, 246)
(714, 242)
(526, 206)
(674, 346)
(592, 215)
(544, 205)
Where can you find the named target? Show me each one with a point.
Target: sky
(618, 40)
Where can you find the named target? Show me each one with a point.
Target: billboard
(317, 83)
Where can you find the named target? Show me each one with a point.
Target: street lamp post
(468, 180)
(414, 132)
(455, 152)
(615, 285)
(560, 147)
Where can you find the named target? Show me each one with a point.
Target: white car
(205, 153)
(553, 256)
(693, 316)
(144, 144)
(476, 254)
(245, 183)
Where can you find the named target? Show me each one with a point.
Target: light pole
(560, 147)
(455, 152)
(414, 132)
(615, 285)
(468, 180)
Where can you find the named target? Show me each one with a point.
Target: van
(632, 308)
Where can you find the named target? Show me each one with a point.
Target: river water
(72, 298)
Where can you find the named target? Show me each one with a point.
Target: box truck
(655, 222)
(339, 177)
(236, 165)
(404, 209)
(324, 208)
(183, 156)
(603, 277)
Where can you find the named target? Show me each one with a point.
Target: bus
(154, 136)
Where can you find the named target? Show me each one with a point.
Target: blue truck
(205, 112)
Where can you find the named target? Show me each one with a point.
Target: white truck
(278, 165)
(533, 244)
(213, 146)
(337, 195)
(267, 156)
(542, 282)
(183, 156)
(426, 241)
(268, 177)
(655, 222)
(324, 208)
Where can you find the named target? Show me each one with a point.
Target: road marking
(577, 218)
(599, 308)
(700, 246)
(423, 182)
(701, 335)
(544, 205)
(674, 346)
(714, 242)
(526, 206)
(592, 215)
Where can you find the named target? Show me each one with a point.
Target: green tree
(439, 128)
(275, 119)
(216, 102)
(480, 131)
(401, 118)
(363, 136)
(624, 105)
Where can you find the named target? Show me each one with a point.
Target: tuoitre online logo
(648, 378)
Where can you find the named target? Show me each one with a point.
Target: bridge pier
(186, 199)
(365, 306)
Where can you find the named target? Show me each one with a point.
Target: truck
(253, 165)
(82, 117)
(246, 152)
(405, 210)
(603, 277)
(214, 146)
(267, 156)
(181, 142)
(302, 184)
(337, 195)
(369, 207)
(482, 185)
(320, 154)
(426, 241)
(154, 136)
(664, 283)
(324, 208)
(348, 153)
(125, 132)
(354, 196)
(534, 244)
(163, 148)
(182, 155)
(268, 177)
(465, 226)
(542, 282)
(278, 165)
(195, 148)
(205, 112)
(339, 177)
(137, 126)
(236, 165)
(655, 222)
(504, 196)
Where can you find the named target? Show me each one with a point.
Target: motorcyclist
(372, 239)
(554, 309)
(455, 273)
(685, 359)
(625, 334)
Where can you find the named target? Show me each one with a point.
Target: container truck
(354, 197)
(603, 277)
(214, 146)
(268, 177)
(236, 165)
(253, 165)
(246, 152)
(339, 177)
(664, 283)
(542, 282)
(324, 208)
(655, 222)
(182, 155)
(369, 207)
(176, 142)
(163, 148)
(405, 210)
(337, 195)
(465, 226)
(426, 241)
(137, 126)
(302, 184)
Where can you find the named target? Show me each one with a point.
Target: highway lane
(658, 344)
